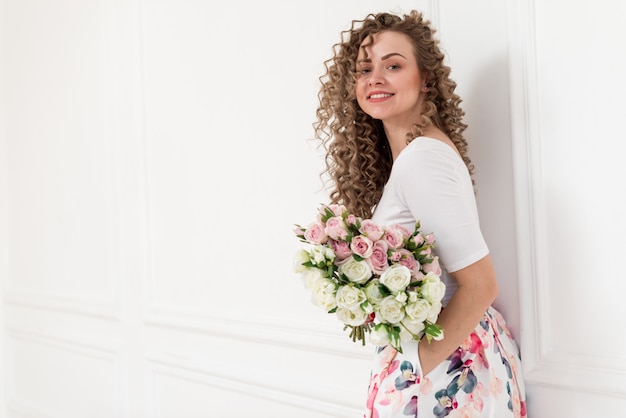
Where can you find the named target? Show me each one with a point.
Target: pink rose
(407, 260)
(315, 233)
(378, 260)
(433, 267)
(394, 237)
(418, 239)
(395, 256)
(352, 220)
(428, 251)
(371, 230)
(430, 239)
(335, 228)
(337, 210)
(341, 248)
(405, 232)
(362, 246)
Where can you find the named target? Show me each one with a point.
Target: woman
(392, 129)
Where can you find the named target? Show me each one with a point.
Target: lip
(379, 96)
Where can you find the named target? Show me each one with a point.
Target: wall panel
(569, 194)
(38, 362)
(62, 295)
(58, 152)
(183, 393)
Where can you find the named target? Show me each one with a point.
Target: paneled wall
(571, 197)
(155, 154)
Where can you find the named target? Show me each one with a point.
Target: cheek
(361, 91)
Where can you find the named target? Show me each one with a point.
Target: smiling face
(389, 83)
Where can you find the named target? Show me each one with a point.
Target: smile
(379, 95)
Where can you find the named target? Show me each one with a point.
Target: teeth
(380, 95)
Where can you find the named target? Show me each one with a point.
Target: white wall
(154, 156)
(570, 193)
(4, 242)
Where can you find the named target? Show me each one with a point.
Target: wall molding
(313, 336)
(64, 343)
(164, 366)
(22, 407)
(77, 304)
(542, 365)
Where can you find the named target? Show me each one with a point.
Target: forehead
(386, 42)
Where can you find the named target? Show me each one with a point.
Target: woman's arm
(477, 289)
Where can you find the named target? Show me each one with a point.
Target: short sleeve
(434, 184)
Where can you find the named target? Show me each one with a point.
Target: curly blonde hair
(358, 158)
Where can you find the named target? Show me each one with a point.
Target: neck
(397, 140)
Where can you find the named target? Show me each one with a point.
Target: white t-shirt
(429, 182)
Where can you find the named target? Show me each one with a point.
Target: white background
(155, 154)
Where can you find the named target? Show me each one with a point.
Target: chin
(377, 115)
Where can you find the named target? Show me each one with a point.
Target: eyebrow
(384, 57)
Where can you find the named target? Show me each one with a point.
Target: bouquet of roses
(379, 280)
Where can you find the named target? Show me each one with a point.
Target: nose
(376, 77)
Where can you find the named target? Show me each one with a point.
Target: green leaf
(432, 330)
(327, 214)
(341, 278)
(394, 337)
(384, 290)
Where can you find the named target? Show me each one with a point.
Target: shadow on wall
(489, 134)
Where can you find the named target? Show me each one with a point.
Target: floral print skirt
(482, 378)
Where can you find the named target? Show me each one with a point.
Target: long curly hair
(358, 158)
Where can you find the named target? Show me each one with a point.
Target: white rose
(350, 297)
(300, 258)
(323, 294)
(356, 271)
(397, 277)
(433, 289)
(391, 310)
(411, 330)
(321, 254)
(311, 275)
(379, 337)
(354, 317)
(401, 297)
(329, 253)
(413, 296)
(372, 291)
(419, 310)
(433, 314)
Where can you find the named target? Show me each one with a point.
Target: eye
(364, 70)
(393, 67)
